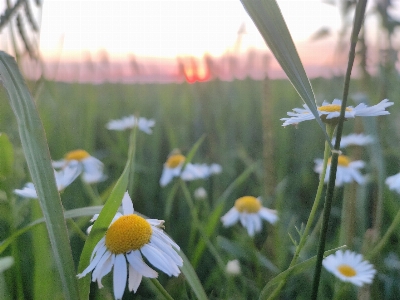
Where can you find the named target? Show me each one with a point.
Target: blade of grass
(268, 18)
(37, 156)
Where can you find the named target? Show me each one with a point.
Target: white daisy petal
(100, 252)
(127, 206)
(231, 217)
(159, 260)
(134, 279)
(106, 268)
(135, 260)
(394, 182)
(119, 276)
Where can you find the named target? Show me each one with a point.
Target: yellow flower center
(128, 233)
(332, 108)
(77, 155)
(347, 271)
(248, 204)
(343, 160)
(175, 160)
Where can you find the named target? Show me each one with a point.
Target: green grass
(229, 115)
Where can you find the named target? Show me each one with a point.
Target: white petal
(231, 217)
(92, 170)
(134, 279)
(94, 262)
(108, 264)
(136, 261)
(119, 276)
(159, 260)
(166, 176)
(167, 249)
(269, 215)
(127, 205)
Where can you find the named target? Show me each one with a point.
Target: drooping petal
(119, 276)
(134, 279)
(136, 261)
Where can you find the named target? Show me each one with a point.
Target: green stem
(161, 289)
(330, 129)
(358, 21)
(377, 249)
(199, 227)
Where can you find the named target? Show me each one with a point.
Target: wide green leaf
(268, 18)
(37, 156)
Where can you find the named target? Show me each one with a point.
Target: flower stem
(358, 21)
(330, 129)
(161, 289)
(385, 238)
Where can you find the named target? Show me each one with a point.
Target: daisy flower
(173, 168)
(347, 170)
(354, 140)
(63, 179)
(350, 267)
(249, 211)
(131, 121)
(330, 112)
(92, 168)
(128, 238)
(394, 182)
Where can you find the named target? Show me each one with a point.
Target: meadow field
(239, 126)
(241, 189)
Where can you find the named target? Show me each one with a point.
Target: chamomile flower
(350, 267)
(347, 170)
(394, 182)
(63, 178)
(127, 240)
(173, 168)
(330, 112)
(129, 122)
(354, 139)
(92, 168)
(249, 211)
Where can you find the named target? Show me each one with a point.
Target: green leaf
(293, 270)
(73, 213)
(191, 278)
(6, 263)
(37, 156)
(105, 217)
(6, 156)
(268, 18)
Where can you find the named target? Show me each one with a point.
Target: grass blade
(268, 18)
(37, 156)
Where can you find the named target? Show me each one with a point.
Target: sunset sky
(167, 28)
(72, 30)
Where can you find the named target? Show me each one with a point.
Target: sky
(167, 28)
(73, 30)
